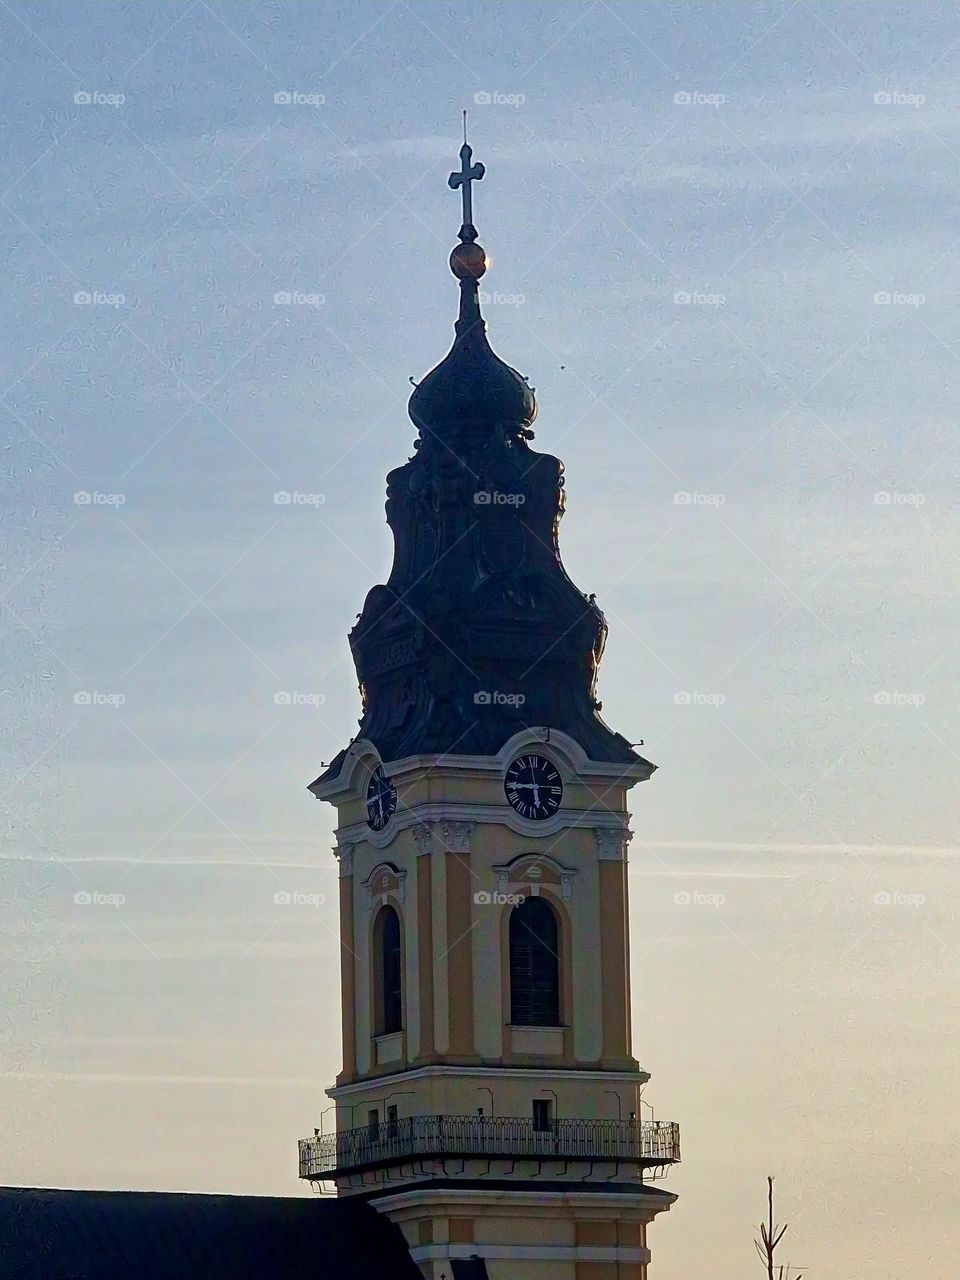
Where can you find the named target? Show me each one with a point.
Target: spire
(472, 390)
(468, 260)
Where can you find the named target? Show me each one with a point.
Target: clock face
(533, 787)
(381, 799)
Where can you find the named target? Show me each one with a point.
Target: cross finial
(467, 174)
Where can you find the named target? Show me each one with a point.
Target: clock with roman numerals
(381, 799)
(533, 787)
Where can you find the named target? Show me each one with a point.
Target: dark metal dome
(472, 388)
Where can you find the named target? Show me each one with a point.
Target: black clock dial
(533, 787)
(381, 799)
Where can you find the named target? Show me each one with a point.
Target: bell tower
(489, 1101)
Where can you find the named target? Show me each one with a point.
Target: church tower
(489, 1102)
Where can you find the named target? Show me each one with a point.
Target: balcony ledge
(353, 1151)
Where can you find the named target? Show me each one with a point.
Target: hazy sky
(724, 242)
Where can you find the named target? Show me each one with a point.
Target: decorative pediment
(534, 870)
(384, 880)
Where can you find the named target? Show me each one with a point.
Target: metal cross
(468, 174)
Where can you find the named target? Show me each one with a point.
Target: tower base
(546, 1232)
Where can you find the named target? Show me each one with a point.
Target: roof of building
(143, 1235)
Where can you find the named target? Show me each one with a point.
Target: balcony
(354, 1151)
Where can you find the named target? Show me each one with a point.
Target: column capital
(343, 852)
(456, 835)
(612, 842)
(423, 834)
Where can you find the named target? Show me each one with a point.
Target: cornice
(451, 815)
(485, 1073)
(566, 753)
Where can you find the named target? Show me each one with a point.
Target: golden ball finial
(468, 261)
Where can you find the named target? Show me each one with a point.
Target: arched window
(389, 973)
(534, 965)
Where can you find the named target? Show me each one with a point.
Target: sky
(723, 243)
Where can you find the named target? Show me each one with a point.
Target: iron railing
(655, 1142)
